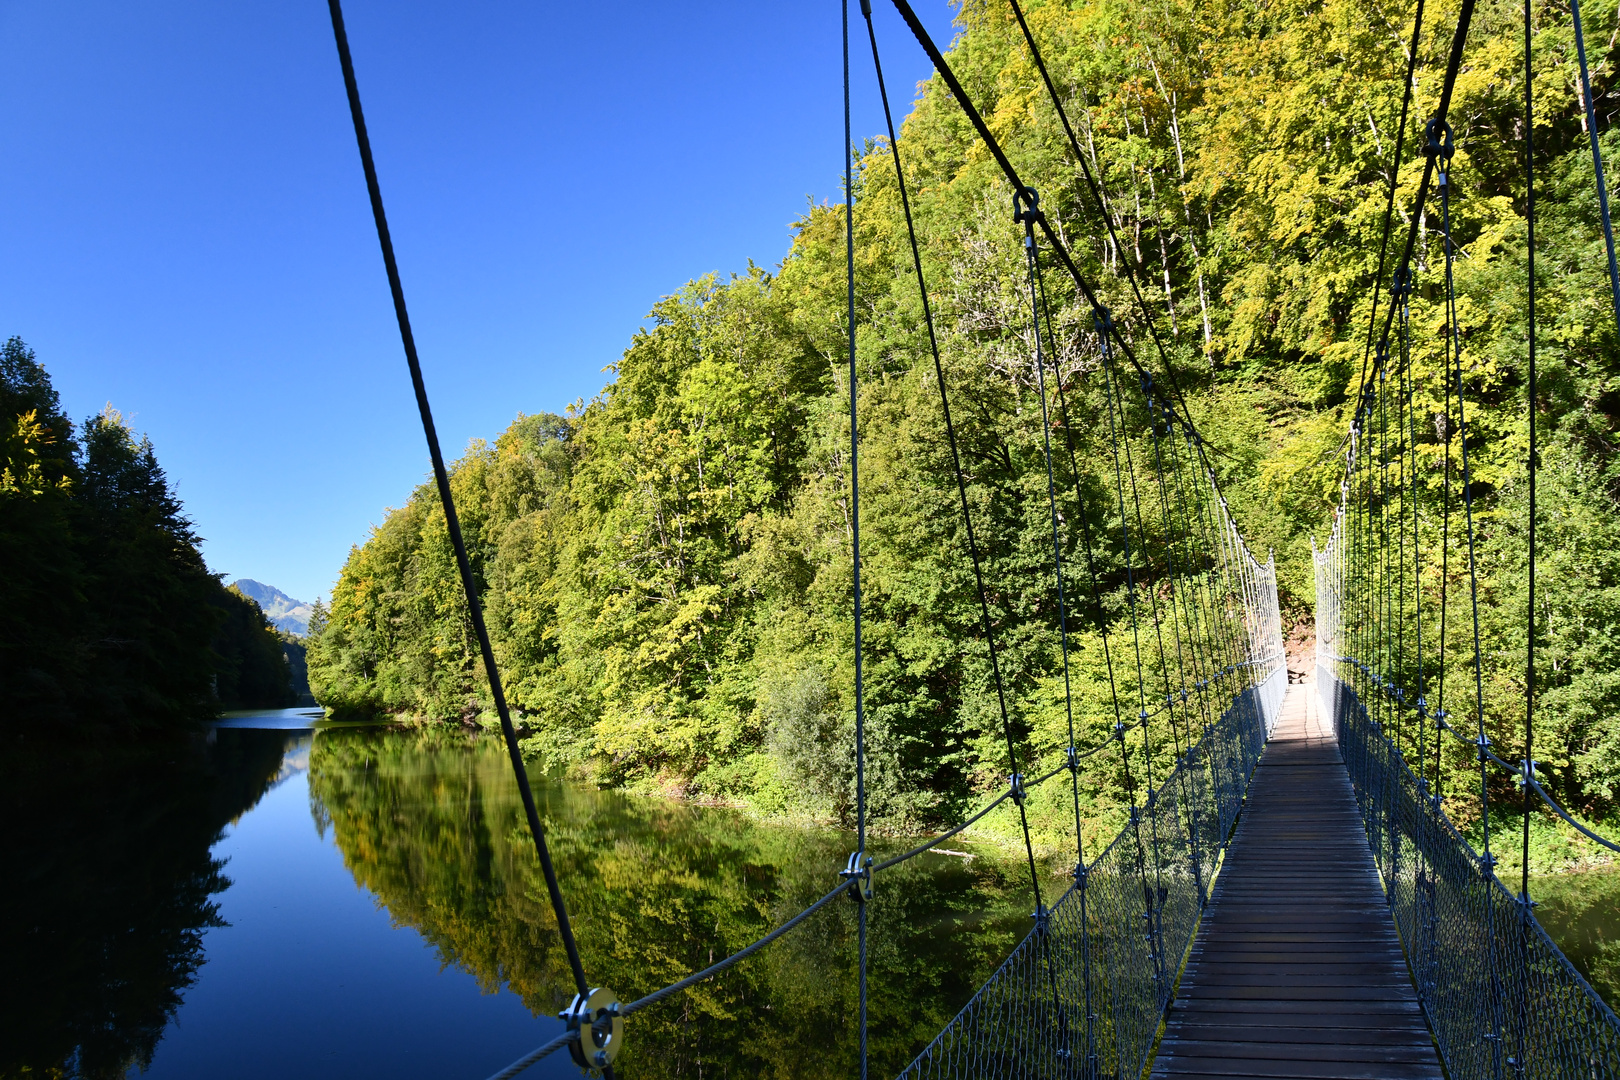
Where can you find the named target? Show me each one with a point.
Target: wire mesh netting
(1082, 995)
(1501, 999)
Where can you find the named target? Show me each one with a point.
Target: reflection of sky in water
(271, 719)
(312, 979)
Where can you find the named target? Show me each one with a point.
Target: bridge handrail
(1027, 1014)
(1500, 997)
(1523, 771)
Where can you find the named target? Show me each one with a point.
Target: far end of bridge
(1297, 970)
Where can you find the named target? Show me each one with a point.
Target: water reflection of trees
(109, 890)
(431, 824)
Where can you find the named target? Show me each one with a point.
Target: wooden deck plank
(1297, 973)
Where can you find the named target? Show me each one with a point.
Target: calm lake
(275, 901)
(365, 902)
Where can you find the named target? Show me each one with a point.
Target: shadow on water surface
(110, 881)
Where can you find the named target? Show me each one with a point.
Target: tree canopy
(109, 618)
(667, 567)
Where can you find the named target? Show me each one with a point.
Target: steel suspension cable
(956, 459)
(1158, 633)
(1032, 260)
(1451, 346)
(1181, 668)
(1097, 193)
(1597, 159)
(1136, 643)
(1417, 555)
(859, 869)
(1200, 619)
(1394, 179)
(1026, 216)
(1202, 616)
(441, 478)
(1530, 411)
(1080, 872)
(1053, 240)
(1487, 860)
(1448, 84)
(1040, 308)
(1085, 532)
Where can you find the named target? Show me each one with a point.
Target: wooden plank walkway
(1296, 971)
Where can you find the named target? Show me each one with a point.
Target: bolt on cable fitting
(595, 1018)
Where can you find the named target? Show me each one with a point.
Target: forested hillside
(668, 570)
(109, 618)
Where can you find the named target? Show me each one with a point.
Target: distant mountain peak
(283, 611)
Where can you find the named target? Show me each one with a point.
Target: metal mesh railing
(1502, 1001)
(1082, 995)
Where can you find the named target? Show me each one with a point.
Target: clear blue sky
(186, 235)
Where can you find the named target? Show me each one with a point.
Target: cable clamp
(1119, 730)
(1440, 143)
(1043, 918)
(1484, 744)
(1136, 818)
(595, 1018)
(859, 875)
(1019, 792)
(1079, 874)
(1027, 206)
(1073, 759)
(1422, 706)
(1401, 287)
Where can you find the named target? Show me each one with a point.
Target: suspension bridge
(1291, 898)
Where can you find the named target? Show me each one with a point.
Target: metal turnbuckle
(595, 1016)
